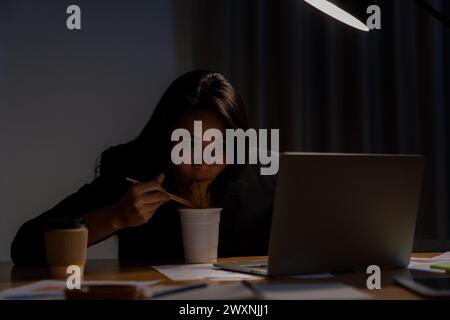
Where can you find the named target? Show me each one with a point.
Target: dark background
(67, 95)
(329, 87)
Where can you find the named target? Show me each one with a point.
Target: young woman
(146, 223)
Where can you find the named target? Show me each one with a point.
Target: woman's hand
(139, 204)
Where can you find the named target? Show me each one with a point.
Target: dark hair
(147, 154)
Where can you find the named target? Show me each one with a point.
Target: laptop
(340, 213)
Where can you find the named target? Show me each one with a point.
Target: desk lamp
(350, 12)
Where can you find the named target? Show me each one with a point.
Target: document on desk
(325, 291)
(54, 289)
(201, 272)
(424, 264)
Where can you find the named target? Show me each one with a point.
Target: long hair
(148, 154)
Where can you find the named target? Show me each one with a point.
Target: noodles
(201, 197)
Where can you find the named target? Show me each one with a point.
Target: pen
(37, 295)
(178, 289)
(257, 294)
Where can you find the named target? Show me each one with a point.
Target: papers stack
(185, 272)
(424, 264)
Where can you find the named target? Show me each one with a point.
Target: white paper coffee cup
(200, 228)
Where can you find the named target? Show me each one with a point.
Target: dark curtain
(331, 88)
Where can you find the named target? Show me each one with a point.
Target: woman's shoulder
(128, 160)
(118, 161)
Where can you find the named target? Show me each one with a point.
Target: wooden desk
(104, 269)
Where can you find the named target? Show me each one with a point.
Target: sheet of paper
(210, 292)
(54, 289)
(442, 257)
(318, 276)
(423, 264)
(328, 291)
(201, 272)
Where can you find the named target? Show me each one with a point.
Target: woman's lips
(201, 167)
(202, 172)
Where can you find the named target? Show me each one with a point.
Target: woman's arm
(28, 246)
(101, 224)
(106, 206)
(136, 207)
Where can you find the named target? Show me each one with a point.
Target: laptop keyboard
(257, 266)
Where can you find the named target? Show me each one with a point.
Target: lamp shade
(350, 12)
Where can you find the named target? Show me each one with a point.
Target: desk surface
(109, 269)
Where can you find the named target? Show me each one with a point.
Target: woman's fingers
(149, 198)
(142, 188)
(151, 207)
(142, 200)
(160, 178)
(154, 185)
(148, 210)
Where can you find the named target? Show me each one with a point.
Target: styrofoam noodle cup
(200, 254)
(200, 228)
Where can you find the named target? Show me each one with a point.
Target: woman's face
(186, 174)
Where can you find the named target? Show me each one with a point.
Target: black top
(246, 198)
